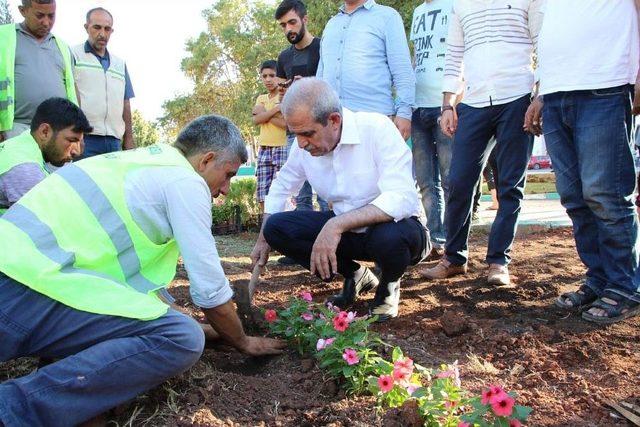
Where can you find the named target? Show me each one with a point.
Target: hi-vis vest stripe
(7, 74)
(72, 238)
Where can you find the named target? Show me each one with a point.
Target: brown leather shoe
(443, 270)
(498, 275)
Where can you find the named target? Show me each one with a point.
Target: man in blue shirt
(364, 55)
(104, 88)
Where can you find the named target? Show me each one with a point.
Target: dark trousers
(392, 245)
(471, 148)
(95, 145)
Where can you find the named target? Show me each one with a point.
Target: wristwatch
(445, 108)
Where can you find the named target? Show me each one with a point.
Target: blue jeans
(471, 148)
(431, 162)
(98, 144)
(588, 135)
(104, 360)
(304, 199)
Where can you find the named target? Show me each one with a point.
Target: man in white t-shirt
(587, 66)
(431, 147)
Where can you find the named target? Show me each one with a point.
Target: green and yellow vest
(73, 239)
(7, 74)
(18, 150)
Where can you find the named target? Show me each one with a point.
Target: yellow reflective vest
(7, 74)
(73, 238)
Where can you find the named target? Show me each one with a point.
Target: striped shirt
(490, 47)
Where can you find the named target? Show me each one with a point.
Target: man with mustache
(34, 65)
(104, 87)
(55, 137)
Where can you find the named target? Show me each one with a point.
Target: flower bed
(344, 345)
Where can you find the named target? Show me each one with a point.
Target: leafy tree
(5, 14)
(223, 61)
(144, 132)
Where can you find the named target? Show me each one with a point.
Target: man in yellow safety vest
(85, 255)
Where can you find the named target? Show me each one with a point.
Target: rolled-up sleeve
(287, 183)
(189, 213)
(398, 195)
(399, 60)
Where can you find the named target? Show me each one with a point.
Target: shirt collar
(367, 5)
(89, 49)
(349, 134)
(23, 29)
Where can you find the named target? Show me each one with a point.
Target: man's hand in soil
(259, 346)
(533, 117)
(226, 322)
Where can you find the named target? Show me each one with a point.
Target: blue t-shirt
(429, 28)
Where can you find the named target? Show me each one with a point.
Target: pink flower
(306, 296)
(464, 424)
(350, 356)
(401, 375)
(385, 382)
(449, 404)
(411, 388)
(515, 423)
(404, 363)
(322, 343)
(307, 316)
(446, 374)
(492, 393)
(333, 307)
(349, 317)
(502, 406)
(340, 324)
(270, 316)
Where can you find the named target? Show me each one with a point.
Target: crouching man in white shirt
(360, 164)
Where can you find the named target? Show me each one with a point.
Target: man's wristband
(445, 108)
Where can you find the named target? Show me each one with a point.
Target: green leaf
(396, 354)
(521, 412)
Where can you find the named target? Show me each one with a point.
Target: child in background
(272, 153)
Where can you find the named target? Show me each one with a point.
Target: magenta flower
(350, 356)
(307, 316)
(322, 343)
(306, 296)
(270, 316)
(385, 382)
(502, 405)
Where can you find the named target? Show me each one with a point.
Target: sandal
(580, 298)
(621, 309)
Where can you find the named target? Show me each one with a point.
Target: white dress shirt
(173, 202)
(490, 47)
(370, 165)
(596, 48)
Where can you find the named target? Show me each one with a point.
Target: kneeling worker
(360, 163)
(57, 130)
(84, 255)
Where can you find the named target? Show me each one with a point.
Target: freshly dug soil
(562, 366)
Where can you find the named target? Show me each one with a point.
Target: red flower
(502, 405)
(464, 424)
(340, 324)
(515, 423)
(385, 382)
(488, 396)
(270, 316)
